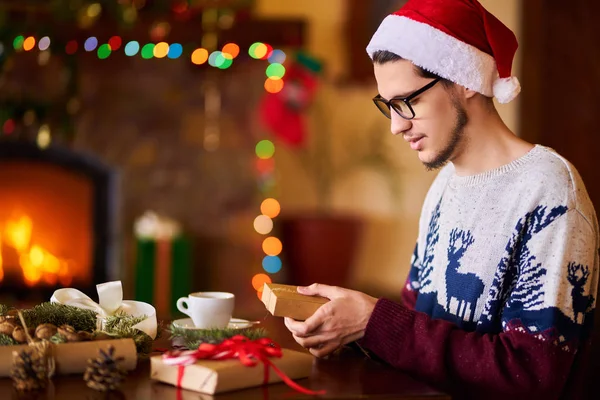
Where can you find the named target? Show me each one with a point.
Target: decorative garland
(80, 320)
(17, 115)
(35, 34)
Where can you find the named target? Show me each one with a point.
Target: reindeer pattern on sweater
(513, 248)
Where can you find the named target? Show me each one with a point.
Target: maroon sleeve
(469, 364)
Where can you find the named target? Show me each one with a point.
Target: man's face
(437, 131)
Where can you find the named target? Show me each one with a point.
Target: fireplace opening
(57, 210)
(45, 226)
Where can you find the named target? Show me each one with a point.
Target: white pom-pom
(506, 89)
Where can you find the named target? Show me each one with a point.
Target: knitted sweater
(500, 294)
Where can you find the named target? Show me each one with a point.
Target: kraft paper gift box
(218, 376)
(285, 301)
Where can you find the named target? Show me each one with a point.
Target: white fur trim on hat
(506, 89)
(437, 52)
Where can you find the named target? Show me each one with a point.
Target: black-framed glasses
(401, 105)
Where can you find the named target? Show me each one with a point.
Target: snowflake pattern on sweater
(512, 249)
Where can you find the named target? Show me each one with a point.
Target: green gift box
(163, 272)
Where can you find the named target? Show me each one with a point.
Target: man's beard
(456, 139)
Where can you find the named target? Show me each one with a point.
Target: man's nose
(399, 125)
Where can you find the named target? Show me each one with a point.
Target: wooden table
(345, 376)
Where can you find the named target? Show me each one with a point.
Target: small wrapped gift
(285, 301)
(234, 364)
(163, 266)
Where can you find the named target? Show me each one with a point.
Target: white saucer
(234, 323)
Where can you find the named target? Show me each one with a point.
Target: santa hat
(458, 40)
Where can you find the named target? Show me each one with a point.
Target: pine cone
(29, 371)
(104, 373)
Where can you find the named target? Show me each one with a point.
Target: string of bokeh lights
(270, 209)
(221, 59)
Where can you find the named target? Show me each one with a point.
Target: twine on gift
(43, 347)
(249, 352)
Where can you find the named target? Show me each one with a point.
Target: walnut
(7, 327)
(19, 334)
(69, 333)
(45, 331)
(83, 335)
(10, 316)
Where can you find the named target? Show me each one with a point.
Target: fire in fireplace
(57, 220)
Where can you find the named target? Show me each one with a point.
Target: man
(500, 294)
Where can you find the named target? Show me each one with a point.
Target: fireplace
(57, 221)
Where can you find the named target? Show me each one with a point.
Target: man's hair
(384, 57)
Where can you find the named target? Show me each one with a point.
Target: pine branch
(6, 340)
(4, 309)
(193, 338)
(121, 325)
(60, 314)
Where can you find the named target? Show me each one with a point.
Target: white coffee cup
(208, 309)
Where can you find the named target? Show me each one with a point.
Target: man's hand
(336, 323)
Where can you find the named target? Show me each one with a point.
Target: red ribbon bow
(249, 352)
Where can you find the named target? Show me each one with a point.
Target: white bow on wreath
(110, 295)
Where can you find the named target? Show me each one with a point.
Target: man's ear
(466, 93)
